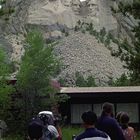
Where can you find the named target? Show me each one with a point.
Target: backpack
(35, 128)
(46, 134)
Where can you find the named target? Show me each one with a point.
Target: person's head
(76, 4)
(118, 116)
(89, 118)
(35, 129)
(107, 109)
(93, 7)
(124, 118)
(47, 117)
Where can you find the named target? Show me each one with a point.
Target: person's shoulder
(80, 136)
(53, 130)
(94, 134)
(108, 119)
(131, 129)
(101, 134)
(51, 127)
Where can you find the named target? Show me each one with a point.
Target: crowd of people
(106, 127)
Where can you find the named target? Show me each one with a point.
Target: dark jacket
(111, 127)
(94, 134)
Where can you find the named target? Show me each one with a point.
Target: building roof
(99, 89)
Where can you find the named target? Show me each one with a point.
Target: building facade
(82, 99)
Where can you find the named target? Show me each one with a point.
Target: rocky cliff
(83, 53)
(80, 52)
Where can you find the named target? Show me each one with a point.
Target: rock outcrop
(79, 52)
(68, 12)
(83, 53)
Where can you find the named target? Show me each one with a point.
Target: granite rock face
(79, 52)
(83, 53)
(68, 12)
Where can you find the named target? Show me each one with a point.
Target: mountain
(82, 52)
(79, 52)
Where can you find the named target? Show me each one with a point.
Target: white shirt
(53, 131)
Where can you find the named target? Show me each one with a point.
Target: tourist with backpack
(51, 121)
(40, 128)
(35, 129)
(49, 130)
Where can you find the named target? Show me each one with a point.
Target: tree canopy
(38, 67)
(5, 89)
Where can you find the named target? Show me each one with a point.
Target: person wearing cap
(91, 133)
(108, 124)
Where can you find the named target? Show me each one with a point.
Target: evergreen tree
(33, 80)
(91, 82)
(5, 89)
(133, 60)
(80, 80)
(6, 9)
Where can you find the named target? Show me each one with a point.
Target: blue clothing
(111, 127)
(93, 134)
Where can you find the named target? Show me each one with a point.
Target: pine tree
(133, 63)
(5, 89)
(33, 80)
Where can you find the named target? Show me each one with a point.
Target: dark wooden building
(91, 98)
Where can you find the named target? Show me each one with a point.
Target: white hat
(46, 113)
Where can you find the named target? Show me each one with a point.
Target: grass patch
(137, 136)
(12, 137)
(67, 132)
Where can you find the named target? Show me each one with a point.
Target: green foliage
(134, 57)
(38, 63)
(76, 28)
(82, 82)
(6, 10)
(38, 66)
(66, 33)
(122, 81)
(108, 39)
(62, 82)
(102, 32)
(79, 22)
(13, 138)
(83, 31)
(5, 89)
(69, 131)
(91, 82)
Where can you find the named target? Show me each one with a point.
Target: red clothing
(128, 133)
